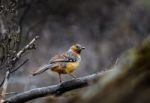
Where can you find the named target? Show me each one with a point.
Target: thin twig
(10, 93)
(2, 82)
(4, 88)
(20, 66)
(27, 47)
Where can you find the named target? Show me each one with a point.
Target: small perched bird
(64, 63)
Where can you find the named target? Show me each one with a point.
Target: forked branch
(11, 65)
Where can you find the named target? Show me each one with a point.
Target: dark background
(106, 28)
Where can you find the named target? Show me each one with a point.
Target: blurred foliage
(146, 3)
(128, 83)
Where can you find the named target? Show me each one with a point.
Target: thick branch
(55, 89)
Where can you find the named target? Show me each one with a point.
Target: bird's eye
(77, 46)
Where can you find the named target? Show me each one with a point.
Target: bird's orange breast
(69, 68)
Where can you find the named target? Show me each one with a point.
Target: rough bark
(56, 89)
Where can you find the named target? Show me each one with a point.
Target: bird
(64, 63)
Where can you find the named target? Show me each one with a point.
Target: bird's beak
(82, 47)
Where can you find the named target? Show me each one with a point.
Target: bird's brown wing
(59, 58)
(64, 57)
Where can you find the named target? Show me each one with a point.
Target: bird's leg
(73, 76)
(60, 78)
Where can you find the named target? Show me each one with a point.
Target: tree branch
(27, 47)
(20, 66)
(12, 63)
(4, 88)
(55, 89)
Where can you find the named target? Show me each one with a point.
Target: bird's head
(77, 48)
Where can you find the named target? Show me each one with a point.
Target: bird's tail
(42, 69)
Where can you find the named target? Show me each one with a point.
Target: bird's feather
(64, 57)
(42, 69)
